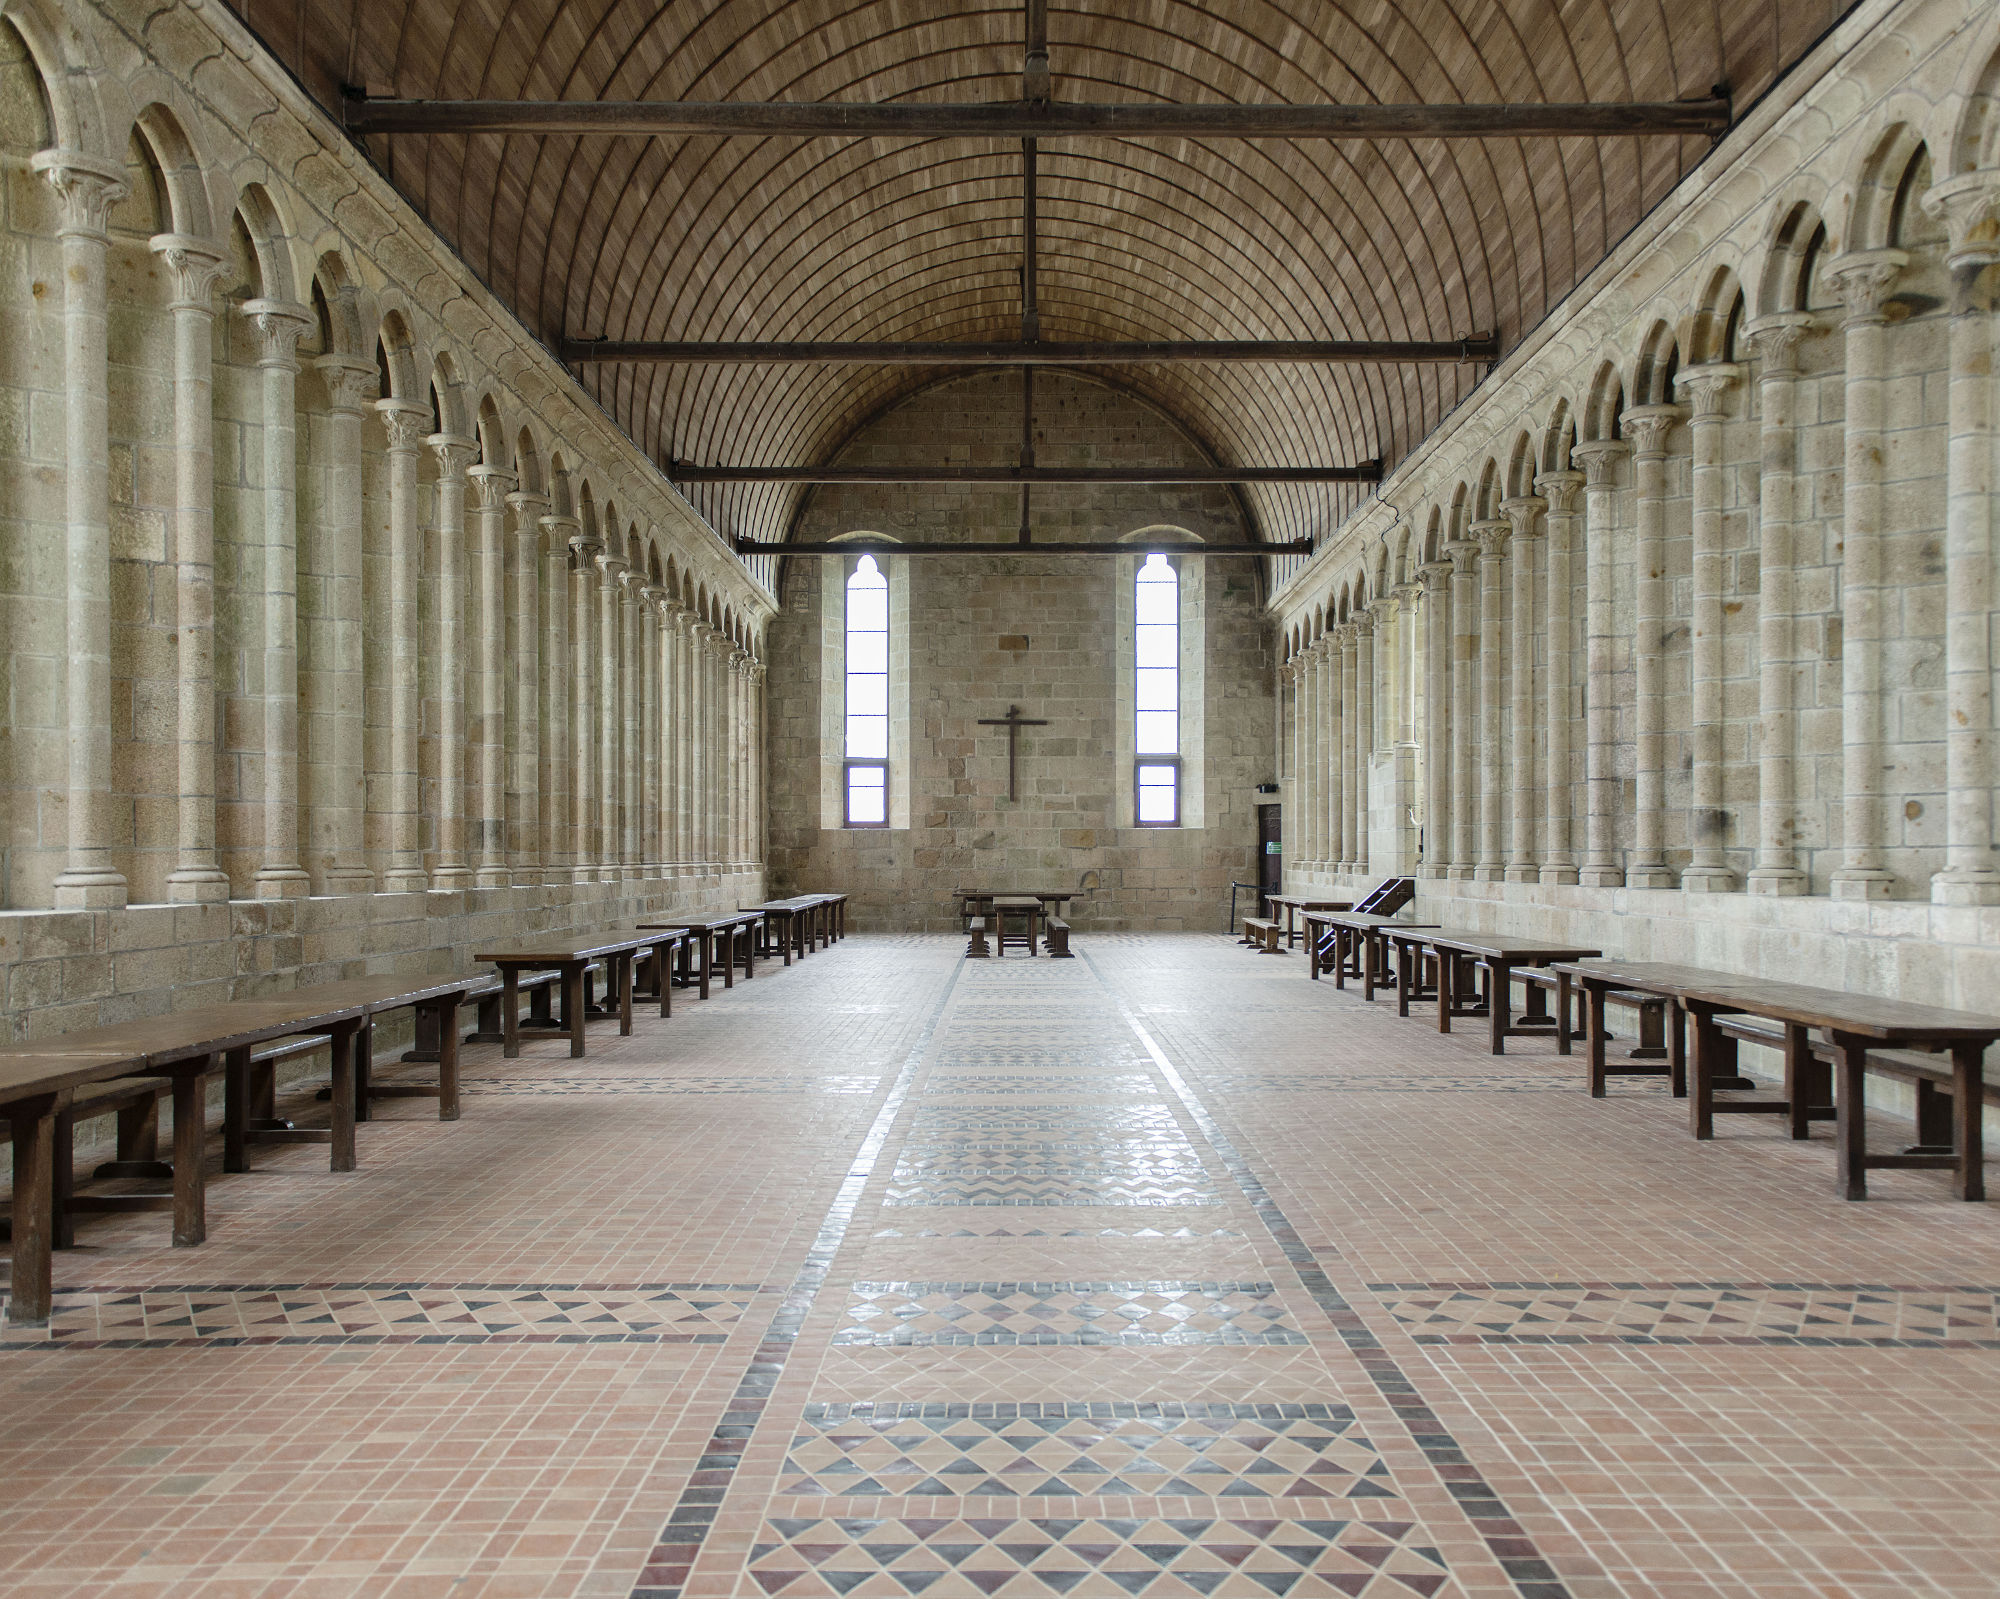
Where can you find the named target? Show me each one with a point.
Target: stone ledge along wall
(1039, 632)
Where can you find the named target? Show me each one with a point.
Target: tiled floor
(1159, 1272)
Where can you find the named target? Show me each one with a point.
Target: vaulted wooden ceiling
(788, 239)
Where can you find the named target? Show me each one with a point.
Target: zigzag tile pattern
(1093, 1313)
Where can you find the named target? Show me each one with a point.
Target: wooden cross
(1013, 721)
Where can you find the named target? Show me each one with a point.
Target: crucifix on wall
(1013, 721)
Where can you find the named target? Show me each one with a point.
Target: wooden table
(568, 955)
(1296, 903)
(1853, 1023)
(1496, 955)
(1027, 910)
(1358, 943)
(704, 932)
(979, 902)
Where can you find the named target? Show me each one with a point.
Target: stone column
(1492, 536)
(1289, 676)
(1776, 340)
(631, 719)
(1348, 732)
(196, 266)
(718, 749)
(1436, 576)
(1865, 281)
(699, 702)
(88, 189)
(406, 422)
(1523, 512)
(1464, 555)
(1600, 458)
(758, 672)
(280, 325)
(586, 817)
(1362, 741)
(454, 454)
(612, 572)
(1708, 869)
(1650, 425)
(526, 618)
(1562, 492)
(1316, 744)
(682, 723)
(490, 491)
(1970, 206)
(739, 750)
(652, 625)
(558, 754)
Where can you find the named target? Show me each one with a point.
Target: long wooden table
(704, 932)
(1297, 904)
(1495, 954)
(1358, 944)
(809, 922)
(1853, 1024)
(570, 954)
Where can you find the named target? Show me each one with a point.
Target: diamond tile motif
(1078, 1449)
(535, 1087)
(911, 1314)
(1412, 1082)
(930, 1120)
(390, 1313)
(1722, 1312)
(1147, 1169)
(1021, 1085)
(1231, 1558)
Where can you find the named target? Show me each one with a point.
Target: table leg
(662, 957)
(1968, 1107)
(364, 1071)
(447, 1012)
(1707, 1044)
(1447, 986)
(707, 960)
(1404, 960)
(1596, 996)
(728, 938)
(1499, 1001)
(1677, 1069)
(1340, 958)
(236, 1110)
(623, 960)
(510, 1012)
(190, 1194)
(573, 981)
(1562, 1012)
(341, 1047)
(1851, 1116)
(749, 953)
(1798, 1075)
(34, 1124)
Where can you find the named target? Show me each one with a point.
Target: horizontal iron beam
(1036, 547)
(1366, 472)
(1038, 352)
(1011, 119)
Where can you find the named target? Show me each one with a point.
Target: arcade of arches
(347, 629)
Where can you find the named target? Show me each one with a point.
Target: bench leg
(1799, 1081)
(1677, 1070)
(541, 1009)
(1595, 999)
(1851, 1117)
(1935, 1123)
(707, 961)
(661, 959)
(236, 1109)
(1652, 1043)
(34, 1123)
(510, 1011)
(574, 1007)
(623, 963)
(1563, 1013)
(340, 1156)
(190, 1191)
(1500, 1002)
(1709, 1047)
(425, 1043)
(448, 1059)
(1968, 1102)
(62, 1169)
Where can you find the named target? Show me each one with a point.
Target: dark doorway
(1270, 855)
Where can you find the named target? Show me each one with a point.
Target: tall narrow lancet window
(1156, 742)
(867, 747)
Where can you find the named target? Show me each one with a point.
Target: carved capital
(1776, 339)
(1407, 595)
(406, 421)
(1649, 426)
(1493, 536)
(758, 672)
(1435, 575)
(652, 599)
(530, 507)
(280, 324)
(87, 187)
(1969, 207)
(1704, 387)
(1521, 512)
(454, 452)
(1464, 555)
(633, 582)
(1600, 458)
(491, 488)
(1563, 491)
(1865, 280)
(347, 383)
(610, 567)
(1363, 625)
(197, 267)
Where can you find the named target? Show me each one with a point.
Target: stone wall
(1041, 633)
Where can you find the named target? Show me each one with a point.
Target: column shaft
(1561, 492)
(1602, 645)
(447, 671)
(1436, 577)
(1708, 869)
(1364, 741)
(1465, 719)
(1650, 424)
(490, 488)
(406, 423)
(1523, 515)
(558, 694)
(1493, 710)
(526, 620)
(586, 817)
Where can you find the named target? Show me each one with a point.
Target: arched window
(1156, 742)
(867, 704)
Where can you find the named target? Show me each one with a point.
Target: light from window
(1157, 693)
(867, 706)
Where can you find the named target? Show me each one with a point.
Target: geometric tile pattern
(1414, 1082)
(537, 1087)
(1017, 1085)
(911, 1314)
(1216, 1558)
(1147, 1169)
(1870, 1315)
(933, 1119)
(1002, 1230)
(1075, 1449)
(389, 1313)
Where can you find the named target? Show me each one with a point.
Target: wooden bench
(1056, 935)
(975, 948)
(1264, 934)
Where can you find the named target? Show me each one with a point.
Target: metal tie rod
(1365, 472)
(1016, 547)
(1037, 352)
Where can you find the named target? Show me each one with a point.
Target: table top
(1835, 1009)
(1017, 902)
(558, 950)
(1053, 896)
(1497, 946)
(1312, 902)
(1365, 920)
(700, 924)
(49, 1067)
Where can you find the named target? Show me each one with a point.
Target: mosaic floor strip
(535, 1087)
(1052, 1313)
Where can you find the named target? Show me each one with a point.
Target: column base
(449, 878)
(89, 889)
(1653, 876)
(1786, 882)
(405, 880)
(1600, 877)
(1489, 873)
(1556, 875)
(347, 880)
(492, 877)
(1434, 874)
(583, 874)
(1708, 880)
(1463, 874)
(1862, 883)
(1976, 885)
(280, 882)
(197, 885)
(1524, 872)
